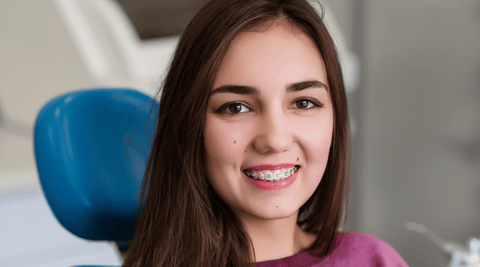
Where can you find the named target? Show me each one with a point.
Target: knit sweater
(350, 249)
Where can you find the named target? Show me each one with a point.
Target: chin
(273, 213)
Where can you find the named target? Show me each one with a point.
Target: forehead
(276, 52)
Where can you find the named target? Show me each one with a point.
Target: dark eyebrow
(295, 87)
(251, 90)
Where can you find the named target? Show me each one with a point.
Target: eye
(306, 104)
(233, 108)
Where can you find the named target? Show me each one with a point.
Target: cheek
(213, 147)
(316, 145)
(317, 139)
(214, 151)
(223, 149)
(317, 149)
(225, 141)
(222, 159)
(219, 142)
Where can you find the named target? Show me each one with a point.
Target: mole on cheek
(234, 142)
(297, 159)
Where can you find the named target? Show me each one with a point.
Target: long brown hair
(184, 222)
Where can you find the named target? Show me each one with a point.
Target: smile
(271, 175)
(268, 177)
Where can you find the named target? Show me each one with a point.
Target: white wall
(422, 123)
(38, 60)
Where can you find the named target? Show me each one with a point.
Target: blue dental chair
(91, 150)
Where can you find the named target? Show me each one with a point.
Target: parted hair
(184, 222)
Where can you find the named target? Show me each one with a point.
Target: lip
(271, 167)
(266, 185)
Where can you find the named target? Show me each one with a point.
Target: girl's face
(270, 105)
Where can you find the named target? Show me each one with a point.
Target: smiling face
(269, 105)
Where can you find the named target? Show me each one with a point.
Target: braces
(269, 177)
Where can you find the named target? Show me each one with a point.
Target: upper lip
(271, 167)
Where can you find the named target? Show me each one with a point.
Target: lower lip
(273, 185)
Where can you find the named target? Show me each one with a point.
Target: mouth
(271, 174)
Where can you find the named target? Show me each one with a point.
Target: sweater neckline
(304, 256)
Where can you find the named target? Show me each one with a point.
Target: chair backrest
(91, 149)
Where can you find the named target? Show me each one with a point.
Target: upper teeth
(270, 175)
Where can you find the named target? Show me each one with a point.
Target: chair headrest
(91, 149)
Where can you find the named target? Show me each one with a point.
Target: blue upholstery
(91, 149)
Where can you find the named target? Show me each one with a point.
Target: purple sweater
(351, 249)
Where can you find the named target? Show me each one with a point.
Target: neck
(277, 238)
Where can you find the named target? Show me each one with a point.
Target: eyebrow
(251, 90)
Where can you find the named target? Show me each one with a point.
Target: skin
(272, 127)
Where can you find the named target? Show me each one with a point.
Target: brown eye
(235, 108)
(304, 104)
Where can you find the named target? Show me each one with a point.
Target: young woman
(250, 159)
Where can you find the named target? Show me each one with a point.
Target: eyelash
(223, 109)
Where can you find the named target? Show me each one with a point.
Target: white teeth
(268, 175)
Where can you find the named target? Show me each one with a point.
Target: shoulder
(356, 239)
(353, 248)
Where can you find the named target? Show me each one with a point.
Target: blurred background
(413, 80)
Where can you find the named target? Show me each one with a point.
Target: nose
(274, 134)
